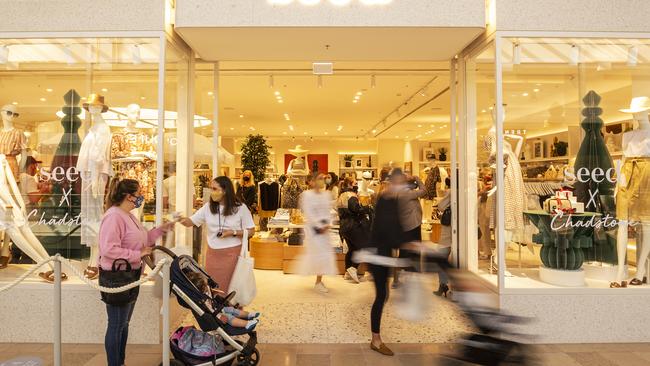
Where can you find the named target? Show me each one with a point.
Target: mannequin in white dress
(636, 153)
(94, 166)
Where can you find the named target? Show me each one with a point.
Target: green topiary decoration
(255, 156)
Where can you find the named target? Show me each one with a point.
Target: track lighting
(516, 54)
(136, 56)
(632, 56)
(574, 56)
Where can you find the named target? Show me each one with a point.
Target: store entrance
(282, 123)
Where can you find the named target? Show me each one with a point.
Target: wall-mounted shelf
(545, 160)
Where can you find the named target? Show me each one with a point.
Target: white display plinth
(562, 278)
(602, 272)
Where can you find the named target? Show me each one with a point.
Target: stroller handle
(148, 260)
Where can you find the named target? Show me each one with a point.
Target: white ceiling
(328, 43)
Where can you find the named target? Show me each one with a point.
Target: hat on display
(638, 104)
(366, 175)
(95, 100)
(298, 150)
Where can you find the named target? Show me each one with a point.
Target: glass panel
(566, 101)
(481, 149)
(47, 145)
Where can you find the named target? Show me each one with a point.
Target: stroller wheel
(251, 360)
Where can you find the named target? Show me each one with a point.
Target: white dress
(94, 167)
(318, 257)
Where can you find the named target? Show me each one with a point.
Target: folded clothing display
(564, 202)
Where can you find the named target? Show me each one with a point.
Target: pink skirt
(220, 265)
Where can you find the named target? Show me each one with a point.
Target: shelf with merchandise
(544, 160)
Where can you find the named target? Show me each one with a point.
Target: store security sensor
(323, 68)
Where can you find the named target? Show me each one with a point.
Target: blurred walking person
(355, 225)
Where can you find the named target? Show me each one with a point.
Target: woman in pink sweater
(121, 235)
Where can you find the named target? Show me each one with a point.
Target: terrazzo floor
(292, 312)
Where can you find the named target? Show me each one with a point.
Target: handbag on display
(294, 239)
(445, 218)
(120, 274)
(243, 278)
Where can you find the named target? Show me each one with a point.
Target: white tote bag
(243, 278)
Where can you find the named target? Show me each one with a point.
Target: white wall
(81, 15)
(573, 15)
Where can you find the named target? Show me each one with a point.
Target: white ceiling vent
(323, 68)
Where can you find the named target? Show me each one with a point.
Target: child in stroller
(229, 314)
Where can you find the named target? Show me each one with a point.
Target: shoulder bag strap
(244, 240)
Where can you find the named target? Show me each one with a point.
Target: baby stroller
(190, 297)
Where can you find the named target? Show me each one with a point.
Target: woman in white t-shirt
(226, 219)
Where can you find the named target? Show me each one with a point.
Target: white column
(454, 156)
(215, 125)
(184, 146)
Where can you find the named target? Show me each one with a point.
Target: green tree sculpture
(597, 196)
(255, 155)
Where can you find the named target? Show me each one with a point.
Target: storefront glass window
(575, 113)
(44, 86)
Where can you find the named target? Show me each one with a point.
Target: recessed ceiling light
(286, 116)
(483, 111)
(357, 97)
(339, 128)
(241, 116)
(104, 90)
(291, 127)
(232, 128)
(210, 93)
(284, 133)
(49, 90)
(326, 132)
(444, 126)
(14, 103)
(420, 126)
(359, 93)
(355, 101)
(397, 136)
(43, 99)
(277, 93)
(251, 128)
(524, 94)
(280, 101)
(143, 98)
(278, 97)
(304, 133)
(491, 108)
(374, 131)
(430, 125)
(536, 90)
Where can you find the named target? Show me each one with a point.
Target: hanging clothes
(430, 184)
(291, 190)
(269, 196)
(12, 143)
(129, 144)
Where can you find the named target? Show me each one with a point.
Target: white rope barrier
(78, 273)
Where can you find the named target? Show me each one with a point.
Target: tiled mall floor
(340, 355)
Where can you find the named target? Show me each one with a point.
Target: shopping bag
(243, 278)
(415, 300)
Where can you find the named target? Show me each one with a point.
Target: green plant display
(442, 154)
(348, 160)
(255, 155)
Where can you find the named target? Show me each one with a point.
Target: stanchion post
(165, 314)
(57, 310)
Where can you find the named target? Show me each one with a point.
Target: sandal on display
(91, 272)
(623, 284)
(49, 276)
(4, 262)
(636, 282)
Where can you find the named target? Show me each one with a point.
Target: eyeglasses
(10, 113)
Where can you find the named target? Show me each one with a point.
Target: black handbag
(121, 274)
(445, 218)
(295, 239)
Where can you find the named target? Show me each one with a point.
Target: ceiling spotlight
(373, 81)
(574, 56)
(339, 128)
(632, 56)
(355, 101)
(251, 128)
(326, 132)
(359, 93)
(286, 116)
(291, 127)
(524, 94)
(241, 116)
(280, 101)
(136, 56)
(284, 132)
(49, 90)
(420, 126)
(272, 83)
(103, 90)
(14, 103)
(232, 128)
(423, 93)
(4, 54)
(536, 90)
(277, 93)
(143, 98)
(304, 133)
(374, 131)
(356, 97)
(516, 54)
(483, 111)
(43, 99)
(210, 93)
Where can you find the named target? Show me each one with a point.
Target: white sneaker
(353, 274)
(347, 277)
(320, 287)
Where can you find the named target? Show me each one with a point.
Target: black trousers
(380, 276)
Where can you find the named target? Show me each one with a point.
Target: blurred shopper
(247, 191)
(332, 184)
(409, 190)
(354, 225)
(386, 235)
(444, 206)
(318, 257)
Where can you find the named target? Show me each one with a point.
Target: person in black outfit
(247, 191)
(386, 234)
(355, 225)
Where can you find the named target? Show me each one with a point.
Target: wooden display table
(435, 232)
(291, 253)
(268, 253)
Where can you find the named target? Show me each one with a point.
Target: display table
(268, 253)
(292, 252)
(562, 238)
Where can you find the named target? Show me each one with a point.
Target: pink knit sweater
(121, 235)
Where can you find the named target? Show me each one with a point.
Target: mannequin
(298, 166)
(633, 191)
(94, 166)
(12, 143)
